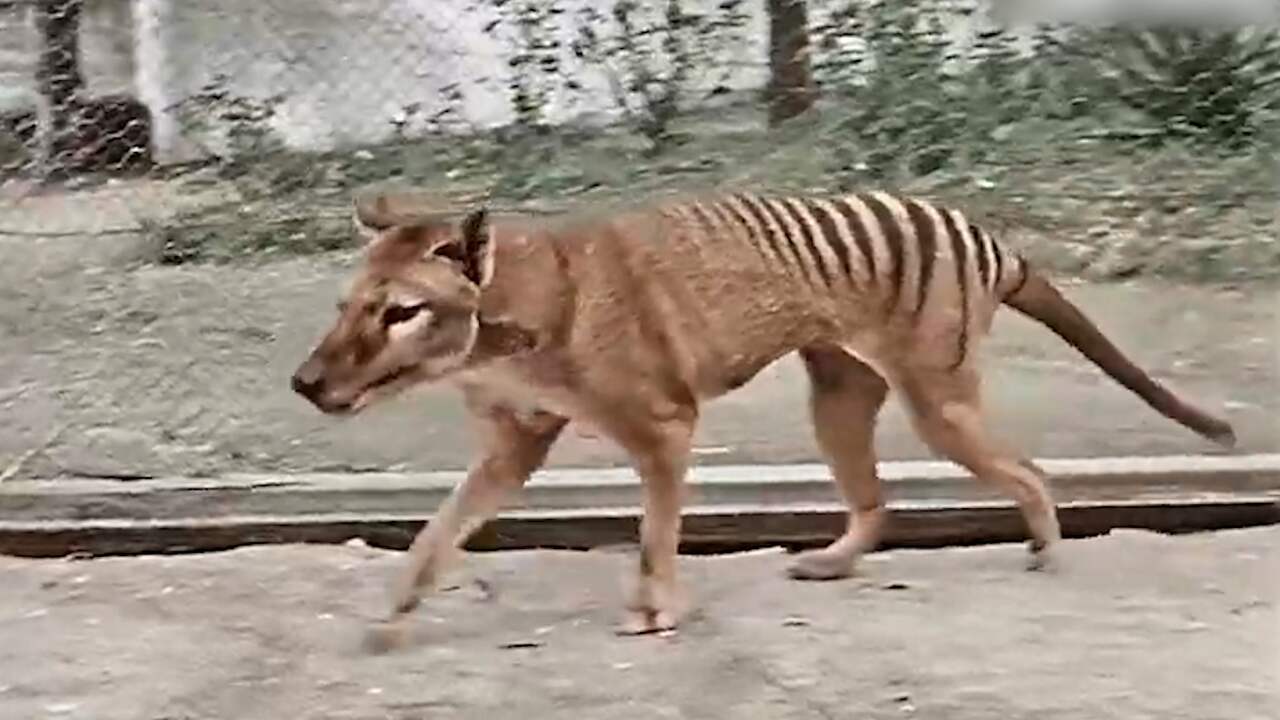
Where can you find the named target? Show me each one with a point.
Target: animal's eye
(396, 314)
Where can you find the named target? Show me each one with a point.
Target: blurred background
(176, 180)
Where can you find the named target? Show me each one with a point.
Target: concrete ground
(1131, 626)
(110, 369)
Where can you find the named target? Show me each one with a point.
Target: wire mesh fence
(233, 135)
(282, 112)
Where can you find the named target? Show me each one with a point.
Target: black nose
(307, 387)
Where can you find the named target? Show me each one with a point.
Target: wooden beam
(733, 507)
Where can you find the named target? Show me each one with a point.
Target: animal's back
(733, 281)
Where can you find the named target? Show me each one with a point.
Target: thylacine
(627, 322)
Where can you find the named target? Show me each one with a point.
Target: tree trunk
(59, 81)
(791, 87)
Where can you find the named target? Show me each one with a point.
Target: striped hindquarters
(872, 243)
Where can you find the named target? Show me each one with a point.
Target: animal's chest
(527, 391)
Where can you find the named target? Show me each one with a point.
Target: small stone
(796, 622)
(896, 585)
(486, 589)
(520, 644)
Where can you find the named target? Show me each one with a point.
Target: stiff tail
(1035, 297)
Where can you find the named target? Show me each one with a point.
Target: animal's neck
(520, 303)
(498, 339)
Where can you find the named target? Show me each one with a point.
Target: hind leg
(946, 409)
(845, 397)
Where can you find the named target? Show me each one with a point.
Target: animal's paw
(385, 636)
(655, 607)
(1039, 557)
(648, 622)
(824, 564)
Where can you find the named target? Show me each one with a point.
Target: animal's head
(411, 313)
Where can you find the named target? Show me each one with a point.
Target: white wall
(346, 67)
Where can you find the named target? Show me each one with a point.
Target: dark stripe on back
(998, 272)
(708, 222)
(892, 234)
(770, 236)
(789, 242)
(727, 218)
(926, 243)
(860, 234)
(984, 263)
(798, 214)
(830, 235)
(960, 251)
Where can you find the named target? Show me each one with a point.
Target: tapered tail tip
(1222, 435)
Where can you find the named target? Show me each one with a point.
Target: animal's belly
(729, 372)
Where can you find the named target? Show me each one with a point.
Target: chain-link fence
(288, 109)
(226, 139)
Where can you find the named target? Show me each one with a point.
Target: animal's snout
(309, 382)
(309, 385)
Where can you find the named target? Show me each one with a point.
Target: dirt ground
(1131, 626)
(113, 368)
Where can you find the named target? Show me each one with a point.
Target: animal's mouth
(338, 408)
(376, 389)
(391, 377)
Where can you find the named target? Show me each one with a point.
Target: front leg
(660, 451)
(513, 448)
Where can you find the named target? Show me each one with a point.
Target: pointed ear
(473, 247)
(371, 217)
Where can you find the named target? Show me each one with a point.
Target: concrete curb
(730, 507)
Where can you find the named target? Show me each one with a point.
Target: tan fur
(626, 323)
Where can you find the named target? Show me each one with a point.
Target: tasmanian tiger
(626, 322)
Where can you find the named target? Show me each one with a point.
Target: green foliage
(14, 153)
(178, 244)
(654, 58)
(894, 78)
(531, 28)
(235, 129)
(1218, 88)
(657, 61)
(411, 119)
(1112, 152)
(912, 101)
